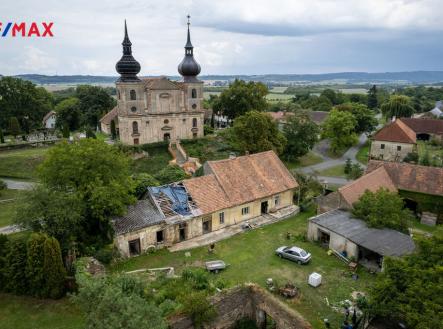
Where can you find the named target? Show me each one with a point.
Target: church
(157, 109)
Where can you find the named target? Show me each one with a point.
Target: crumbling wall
(251, 302)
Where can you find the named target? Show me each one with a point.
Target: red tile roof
(232, 182)
(396, 131)
(372, 181)
(409, 177)
(424, 126)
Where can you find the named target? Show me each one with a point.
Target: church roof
(161, 83)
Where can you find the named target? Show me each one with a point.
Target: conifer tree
(35, 263)
(16, 267)
(14, 126)
(53, 269)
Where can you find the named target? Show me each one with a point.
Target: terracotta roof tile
(161, 83)
(424, 126)
(405, 176)
(372, 181)
(396, 131)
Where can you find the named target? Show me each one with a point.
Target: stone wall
(251, 302)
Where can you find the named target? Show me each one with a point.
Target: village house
(339, 231)
(282, 117)
(49, 120)
(231, 191)
(420, 186)
(425, 129)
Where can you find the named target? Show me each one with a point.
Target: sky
(229, 36)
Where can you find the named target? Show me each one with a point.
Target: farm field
(252, 259)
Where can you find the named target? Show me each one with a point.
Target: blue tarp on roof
(177, 196)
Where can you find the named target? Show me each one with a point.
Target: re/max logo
(22, 29)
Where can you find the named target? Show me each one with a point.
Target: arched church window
(132, 95)
(133, 109)
(194, 93)
(135, 127)
(194, 123)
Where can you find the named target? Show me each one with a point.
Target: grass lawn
(207, 148)
(363, 153)
(21, 312)
(158, 158)
(21, 164)
(7, 209)
(336, 171)
(306, 160)
(251, 258)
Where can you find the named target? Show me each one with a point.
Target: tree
(382, 209)
(240, 98)
(372, 98)
(301, 134)
(142, 182)
(2, 137)
(334, 97)
(90, 133)
(114, 303)
(348, 166)
(339, 127)
(257, 132)
(398, 106)
(90, 176)
(93, 102)
(14, 127)
(409, 289)
(113, 130)
(66, 132)
(15, 269)
(34, 265)
(68, 113)
(366, 122)
(53, 269)
(197, 307)
(355, 172)
(25, 101)
(169, 174)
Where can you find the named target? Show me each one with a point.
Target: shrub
(197, 307)
(143, 181)
(34, 264)
(198, 278)
(104, 255)
(53, 269)
(15, 269)
(411, 157)
(208, 130)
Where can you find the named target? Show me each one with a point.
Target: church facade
(158, 109)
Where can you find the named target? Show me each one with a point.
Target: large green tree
(93, 179)
(366, 121)
(399, 106)
(94, 102)
(68, 113)
(257, 132)
(382, 209)
(25, 101)
(240, 98)
(410, 289)
(339, 127)
(301, 134)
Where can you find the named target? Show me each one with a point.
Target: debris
(188, 254)
(288, 291)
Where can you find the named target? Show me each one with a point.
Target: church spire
(189, 68)
(127, 66)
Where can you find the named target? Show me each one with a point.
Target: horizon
(308, 37)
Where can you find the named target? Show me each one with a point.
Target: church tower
(189, 69)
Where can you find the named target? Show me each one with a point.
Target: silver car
(294, 253)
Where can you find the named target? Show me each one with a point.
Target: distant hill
(414, 77)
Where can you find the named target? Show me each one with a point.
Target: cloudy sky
(229, 36)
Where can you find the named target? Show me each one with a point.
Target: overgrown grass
(158, 158)
(363, 153)
(304, 161)
(335, 171)
(21, 312)
(8, 208)
(435, 152)
(207, 148)
(22, 163)
(251, 258)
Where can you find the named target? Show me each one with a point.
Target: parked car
(294, 253)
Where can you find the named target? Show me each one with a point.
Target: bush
(34, 265)
(208, 130)
(15, 269)
(198, 308)
(53, 269)
(198, 278)
(411, 157)
(143, 181)
(105, 255)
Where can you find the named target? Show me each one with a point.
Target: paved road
(18, 185)
(334, 180)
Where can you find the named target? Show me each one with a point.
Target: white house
(49, 120)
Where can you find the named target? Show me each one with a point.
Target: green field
(251, 258)
(21, 164)
(8, 205)
(276, 90)
(278, 97)
(29, 313)
(335, 171)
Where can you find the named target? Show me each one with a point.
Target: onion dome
(189, 68)
(127, 66)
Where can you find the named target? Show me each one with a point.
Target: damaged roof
(385, 242)
(142, 214)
